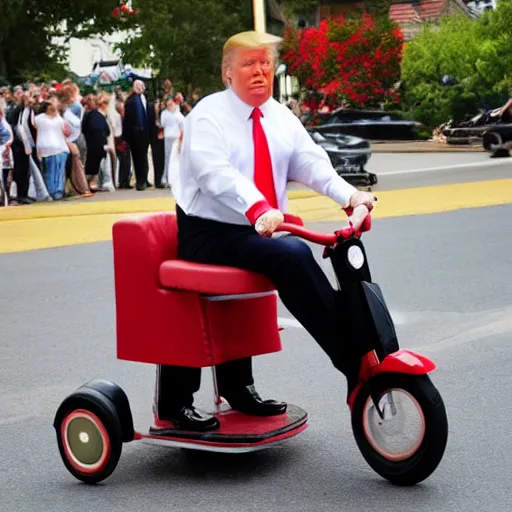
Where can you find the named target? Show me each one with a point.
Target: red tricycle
(398, 417)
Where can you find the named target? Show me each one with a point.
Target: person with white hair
(240, 148)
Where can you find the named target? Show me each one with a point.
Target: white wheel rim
(400, 434)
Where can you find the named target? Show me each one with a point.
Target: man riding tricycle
(198, 288)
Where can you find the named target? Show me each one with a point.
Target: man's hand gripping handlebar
(359, 222)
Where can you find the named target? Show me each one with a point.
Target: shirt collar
(242, 108)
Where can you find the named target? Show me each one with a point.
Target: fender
(402, 361)
(405, 361)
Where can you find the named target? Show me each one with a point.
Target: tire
(419, 461)
(493, 143)
(86, 417)
(119, 400)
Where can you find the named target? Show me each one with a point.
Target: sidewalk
(50, 225)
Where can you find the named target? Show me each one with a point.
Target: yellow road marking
(50, 225)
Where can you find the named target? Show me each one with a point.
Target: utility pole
(258, 7)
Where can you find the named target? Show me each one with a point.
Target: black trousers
(139, 144)
(301, 283)
(95, 154)
(69, 166)
(21, 171)
(158, 151)
(125, 162)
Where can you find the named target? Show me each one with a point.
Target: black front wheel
(406, 444)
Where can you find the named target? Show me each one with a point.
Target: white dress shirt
(172, 123)
(216, 172)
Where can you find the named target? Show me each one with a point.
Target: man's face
(252, 75)
(18, 94)
(27, 98)
(138, 87)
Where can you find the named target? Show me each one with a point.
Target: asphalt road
(448, 282)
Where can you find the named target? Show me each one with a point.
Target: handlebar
(359, 222)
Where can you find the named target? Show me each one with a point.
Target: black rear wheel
(89, 435)
(407, 444)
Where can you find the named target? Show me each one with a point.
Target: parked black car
(367, 124)
(492, 127)
(348, 155)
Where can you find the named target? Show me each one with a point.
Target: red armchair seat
(164, 310)
(211, 279)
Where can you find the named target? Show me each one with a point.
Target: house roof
(422, 10)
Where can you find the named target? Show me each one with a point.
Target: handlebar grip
(306, 234)
(359, 222)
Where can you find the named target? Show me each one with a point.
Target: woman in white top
(52, 147)
(171, 120)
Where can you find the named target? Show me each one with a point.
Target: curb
(422, 147)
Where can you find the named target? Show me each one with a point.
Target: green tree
(475, 54)
(452, 49)
(183, 39)
(444, 74)
(28, 47)
(495, 59)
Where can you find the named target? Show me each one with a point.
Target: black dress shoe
(248, 401)
(126, 186)
(189, 418)
(25, 200)
(141, 187)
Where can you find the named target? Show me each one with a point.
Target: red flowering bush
(349, 60)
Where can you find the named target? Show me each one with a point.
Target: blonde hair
(249, 39)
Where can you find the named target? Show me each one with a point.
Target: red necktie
(263, 174)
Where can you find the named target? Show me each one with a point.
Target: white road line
(398, 319)
(289, 322)
(493, 163)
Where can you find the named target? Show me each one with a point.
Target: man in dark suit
(21, 117)
(139, 117)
